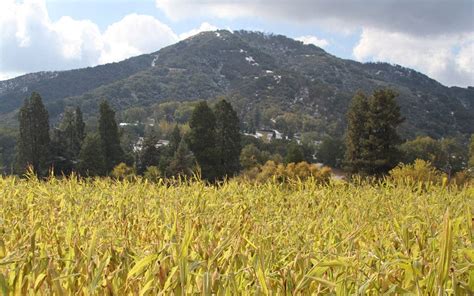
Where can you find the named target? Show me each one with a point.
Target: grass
(102, 237)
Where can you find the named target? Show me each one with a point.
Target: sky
(435, 37)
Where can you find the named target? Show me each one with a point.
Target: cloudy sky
(435, 37)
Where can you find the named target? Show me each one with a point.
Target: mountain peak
(256, 70)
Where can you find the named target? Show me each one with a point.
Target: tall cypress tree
(202, 140)
(182, 162)
(109, 137)
(79, 128)
(372, 139)
(67, 140)
(227, 139)
(91, 157)
(175, 139)
(33, 142)
(150, 154)
(471, 154)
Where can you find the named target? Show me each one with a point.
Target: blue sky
(435, 37)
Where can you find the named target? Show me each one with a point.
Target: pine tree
(182, 162)
(34, 141)
(202, 140)
(371, 138)
(227, 139)
(109, 137)
(384, 117)
(356, 133)
(91, 157)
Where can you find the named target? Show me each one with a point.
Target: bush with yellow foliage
(290, 172)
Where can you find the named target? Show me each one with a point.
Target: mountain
(256, 71)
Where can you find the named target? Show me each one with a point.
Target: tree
(251, 157)
(150, 154)
(227, 139)
(67, 140)
(91, 157)
(424, 148)
(175, 140)
(471, 153)
(454, 156)
(109, 137)
(202, 140)
(447, 154)
(79, 127)
(372, 136)
(356, 133)
(295, 153)
(331, 151)
(123, 172)
(182, 162)
(34, 141)
(384, 117)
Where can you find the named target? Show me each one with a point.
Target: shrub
(152, 173)
(462, 178)
(419, 171)
(292, 172)
(123, 171)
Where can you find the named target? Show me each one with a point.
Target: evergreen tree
(356, 133)
(182, 162)
(2, 165)
(227, 139)
(372, 137)
(175, 140)
(91, 157)
(471, 154)
(34, 141)
(109, 137)
(67, 140)
(79, 128)
(202, 140)
(382, 152)
(170, 150)
(150, 154)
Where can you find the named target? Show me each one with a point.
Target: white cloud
(202, 28)
(78, 40)
(465, 59)
(135, 34)
(310, 39)
(413, 17)
(435, 56)
(30, 41)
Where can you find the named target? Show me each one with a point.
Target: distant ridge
(256, 69)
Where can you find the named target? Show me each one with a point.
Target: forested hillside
(271, 73)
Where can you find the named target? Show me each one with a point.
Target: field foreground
(104, 237)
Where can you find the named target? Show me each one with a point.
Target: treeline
(210, 149)
(211, 145)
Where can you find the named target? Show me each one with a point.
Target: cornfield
(106, 237)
